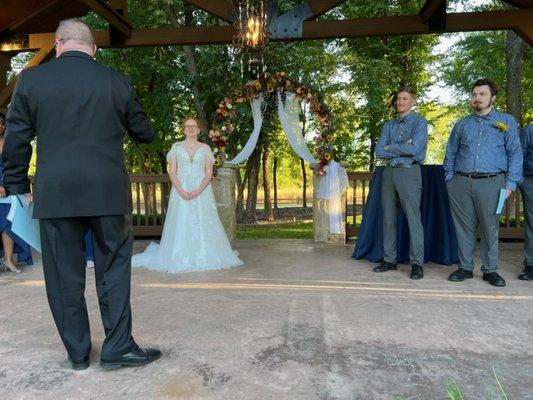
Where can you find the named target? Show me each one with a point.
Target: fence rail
(511, 220)
(150, 193)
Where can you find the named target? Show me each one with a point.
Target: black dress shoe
(79, 364)
(417, 272)
(524, 276)
(385, 266)
(527, 274)
(460, 275)
(135, 358)
(494, 279)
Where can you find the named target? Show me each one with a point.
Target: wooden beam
(520, 3)
(110, 15)
(42, 55)
(430, 8)
(222, 9)
(5, 67)
(526, 33)
(327, 29)
(320, 7)
(13, 11)
(46, 5)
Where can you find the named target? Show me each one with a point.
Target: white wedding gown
(193, 237)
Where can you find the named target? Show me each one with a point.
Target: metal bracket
(290, 24)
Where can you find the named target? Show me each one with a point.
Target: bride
(193, 237)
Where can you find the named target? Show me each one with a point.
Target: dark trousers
(402, 187)
(527, 196)
(62, 242)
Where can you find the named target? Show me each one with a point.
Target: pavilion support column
(5, 67)
(224, 189)
(321, 231)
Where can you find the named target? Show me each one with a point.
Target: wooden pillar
(5, 67)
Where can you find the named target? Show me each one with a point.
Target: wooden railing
(511, 220)
(356, 196)
(149, 197)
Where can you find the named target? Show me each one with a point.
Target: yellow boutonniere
(502, 126)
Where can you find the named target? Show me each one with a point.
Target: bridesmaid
(10, 242)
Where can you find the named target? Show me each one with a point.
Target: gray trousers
(527, 196)
(473, 202)
(402, 187)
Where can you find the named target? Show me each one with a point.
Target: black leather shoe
(79, 364)
(135, 358)
(385, 266)
(494, 279)
(460, 275)
(417, 272)
(527, 274)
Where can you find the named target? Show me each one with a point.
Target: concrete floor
(298, 321)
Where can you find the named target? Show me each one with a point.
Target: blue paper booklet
(501, 202)
(22, 223)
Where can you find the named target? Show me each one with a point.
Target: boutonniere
(502, 126)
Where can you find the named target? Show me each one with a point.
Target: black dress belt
(478, 175)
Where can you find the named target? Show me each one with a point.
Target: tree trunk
(240, 196)
(266, 185)
(192, 67)
(253, 165)
(514, 50)
(275, 182)
(304, 190)
(302, 163)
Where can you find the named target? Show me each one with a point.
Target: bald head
(73, 34)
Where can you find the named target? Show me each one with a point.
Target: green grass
(302, 230)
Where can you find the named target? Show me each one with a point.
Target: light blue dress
(193, 237)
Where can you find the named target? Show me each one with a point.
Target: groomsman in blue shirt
(402, 145)
(483, 156)
(526, 187)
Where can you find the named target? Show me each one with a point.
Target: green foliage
(482, 55)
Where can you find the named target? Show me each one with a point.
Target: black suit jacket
(80, 111)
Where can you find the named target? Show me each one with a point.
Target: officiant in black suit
(80, 111)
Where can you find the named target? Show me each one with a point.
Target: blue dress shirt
(403, 140)
(526, 140)
(477, 144)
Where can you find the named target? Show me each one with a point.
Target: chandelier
(251, 24)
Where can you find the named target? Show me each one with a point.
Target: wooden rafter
(520, 3)
(327, 29)
(219, 8)
(42, 55)
(430, 8)
(15, 12)
(44, 6)
(320, 7)
(526, 33)
(110, 15)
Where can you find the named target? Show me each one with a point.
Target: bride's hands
(194, 193)
(184, 194)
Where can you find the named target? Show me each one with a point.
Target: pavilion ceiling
(27, 25)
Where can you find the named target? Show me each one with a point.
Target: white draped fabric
(289, 115)
(258, 122)
(332, 185)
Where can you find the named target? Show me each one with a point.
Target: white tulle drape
(332, 185)
(258, 122)
(289, 115)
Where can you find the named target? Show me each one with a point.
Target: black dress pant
(63, 246)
